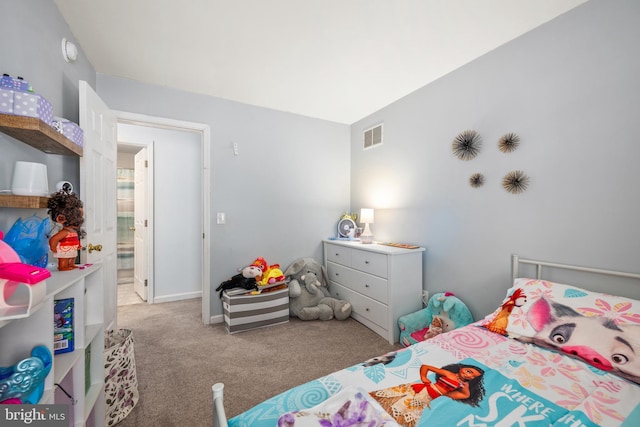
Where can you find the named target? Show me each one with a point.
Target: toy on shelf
(65, 208)
(29, 238)
(25, 379)
(22, 286)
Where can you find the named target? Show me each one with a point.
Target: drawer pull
(366, 309)
(366, 262)
(337, 274)
(366, 285)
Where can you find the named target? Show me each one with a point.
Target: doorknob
(92, 248)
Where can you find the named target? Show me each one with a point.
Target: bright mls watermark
(34, 415)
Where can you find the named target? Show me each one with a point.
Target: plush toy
(245, 279)
(434, 329)
(451, 311)
(269, 274)
(273, 275)
(309, 298)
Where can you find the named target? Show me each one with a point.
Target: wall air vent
(372, 137)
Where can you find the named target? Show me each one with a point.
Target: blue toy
(451, 312)
(30, 239)
(25, 379)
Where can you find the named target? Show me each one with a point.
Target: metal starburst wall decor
(515, 182)
(508, 142)
(466, 145)
(476, 180)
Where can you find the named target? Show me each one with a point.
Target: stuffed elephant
(309, 298)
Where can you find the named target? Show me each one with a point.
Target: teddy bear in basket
(309, 298)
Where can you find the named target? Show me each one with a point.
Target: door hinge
(146, 223)
(146, 283)
(146, 163)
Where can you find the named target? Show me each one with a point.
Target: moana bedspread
(473, 377)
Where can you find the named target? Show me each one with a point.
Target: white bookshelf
(19, 336)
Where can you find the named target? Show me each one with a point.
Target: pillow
(603, 330)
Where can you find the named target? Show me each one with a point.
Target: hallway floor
(126, 294)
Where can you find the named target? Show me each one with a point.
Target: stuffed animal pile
(254, 277)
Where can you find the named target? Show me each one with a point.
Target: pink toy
(24, 273)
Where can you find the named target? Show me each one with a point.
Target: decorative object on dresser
(466, 145)
(366, 217)
(381, 282)
(347, 225)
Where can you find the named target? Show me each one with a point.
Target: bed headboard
(617, 283)
(516, 261)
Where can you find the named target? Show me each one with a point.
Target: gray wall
(282, 194)
(570, 90)
(31, 33)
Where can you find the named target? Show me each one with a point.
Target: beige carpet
(178, 360)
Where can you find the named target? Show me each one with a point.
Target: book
(399, 245)
(63, 336)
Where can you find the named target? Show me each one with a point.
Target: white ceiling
(338, 60)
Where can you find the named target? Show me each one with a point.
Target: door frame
(205, 150)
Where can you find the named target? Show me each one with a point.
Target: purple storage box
(6, 101)
(73, 132)
(69, 129)
(8, 82)
(32, 105)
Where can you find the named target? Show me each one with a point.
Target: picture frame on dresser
(381, 282)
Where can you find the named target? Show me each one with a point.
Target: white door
(141, 224)
(98, 192)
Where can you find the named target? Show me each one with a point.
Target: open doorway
(127, 190)
(179, 157)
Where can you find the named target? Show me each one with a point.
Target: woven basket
(121, 383)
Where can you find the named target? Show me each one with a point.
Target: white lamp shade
(366, 216)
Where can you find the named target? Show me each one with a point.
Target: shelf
(38, 134)
(26, 202)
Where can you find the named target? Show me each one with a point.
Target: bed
(551, 354)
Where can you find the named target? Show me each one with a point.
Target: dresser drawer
(366, 307)
(370, 262)
(372, 286)
(338, 254)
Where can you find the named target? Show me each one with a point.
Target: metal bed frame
(219, 416)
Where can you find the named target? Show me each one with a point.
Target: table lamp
(366, 217)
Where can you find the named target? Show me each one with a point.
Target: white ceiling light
(69, 50)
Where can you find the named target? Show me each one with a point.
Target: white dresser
(381, 282)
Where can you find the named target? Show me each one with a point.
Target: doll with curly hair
(65, 208)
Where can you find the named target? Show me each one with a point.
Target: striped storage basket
(244, 312)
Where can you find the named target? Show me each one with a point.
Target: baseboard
(176, 297)
(218, 318)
